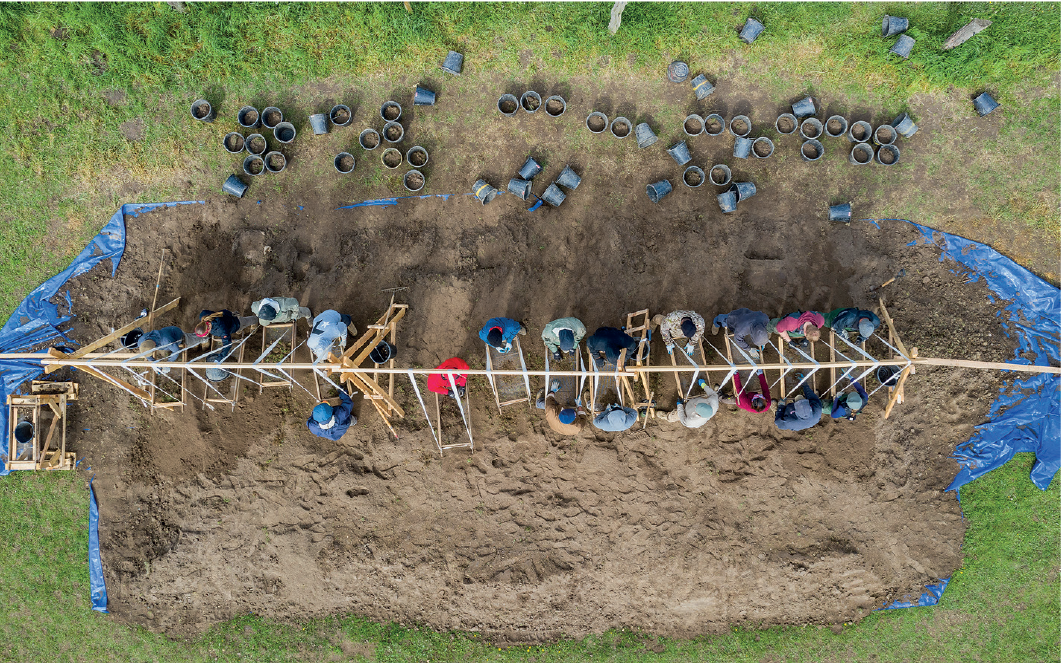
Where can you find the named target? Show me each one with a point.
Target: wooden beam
(100, 343)
(896, 392)
(891, 328)
(965, 34)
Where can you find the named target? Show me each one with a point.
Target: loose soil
(739, 127)
(718, 177)
(863, 156)
(621, 129)
(810, 130)
(276, 162)
(370, 141)
(507, 106)
(885, 135)
(418, 158)
(341, 116)
(531, 104)
(391, 112)
(596, 124)
(234, 143)
(859, 132)
(272, 118)
(835, 127)
(394, 133)
(713, 126)
(392, 158)
(786, 126)
(694, 126)
(554, 107)
(346, 163)
(693, 178)
(762, 148)
(886, 156)
(810, 151)
(201, 111)
(256, 166)
(256, 145)
(250, 118)
(414, 181)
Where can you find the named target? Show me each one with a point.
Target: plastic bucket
(835, 126)
(884, 135)
(423, 97)
(233, 185)
(888, 155)
(417, 156)
(693, 176)
(507, 104)
(284, 132)
(694, 125)
(275, 162)
(216, 375)
(203, 111)
(453, 63)
(568, 178)
(702, 87)
(234, 142)
(811, 150)
(620, 127)
(340, 115)
(391, 158)
(344, 162)
(727, 201)
(531, 101)
(714, 125)
(253, 165)
(742, 147)
(318, 122)
(903, 46)
(861, 154)
(413, 180)
(368, 139)
(555, 106)
(888, 375)
(248, 117)
(811, 129)
(893, 25)
(764, 146)
(553, 196)
(519, 187)
(744, 190)
(596, 122)
(484, 192)
(130, 339)
(804, 107)
(679, 152)
(840, 213)
(271, 116)
(657, 190)
(645, 136)
(860, 132)
(393, 132)
(904, 125)
(677, 72)
(529, 169)
(256, 144)
(984, 103)
(23, 432)
(383, 352)
(737, 120)
(751, 30)
(390, 111)
(786, 124)
(720, 175)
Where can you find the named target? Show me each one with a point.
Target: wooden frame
(236, 375)
(286, 327)
(491, 352)
(54, 396)
(642, 332)
(169, 405)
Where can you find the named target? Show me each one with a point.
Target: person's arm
(743, 401)
(764, 385)
(861, 393)
(779, 415)
(698, 320)
(509, 330)
(345, 408)
(838, 408)
(550, 338)
(255, 306)
(815, 401)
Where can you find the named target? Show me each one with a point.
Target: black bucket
(645, 136)
(693, 176)
(393, 132)
(453, 63)
(553, 196)
(391, 158)
(203, 111)
(271, 116)
(860, 132)
(413, 180)
(677, 72)
(888, 375)
(568, 178)
(390, 111)
(368, 139)
(275, 162)
(835, 126)
(811, 150)
(344, 162)
(739, 119)
(679, 152)
(727, 201)
(519, 187)
(383, 352)
(840, 213)
(744, 190)
(318, 122)
(531, 101)
(904, 124)
(529, 169)
(234, 142)
(751, 30)
(884, 135)
(249, 117)
(23, 432)
(484, 192)
(786, 124)
(423, 97)
(893, 25)
(340, 115)
(657, 190)
(555, 106)
(720, 175)
(811, 129)
(742, 147)
(507, 104)
(702, 87)
(131, 339)
(417, 156)
(762, 145)
(694, 125)
(714, 125)
(596, 122)
(253, 165)
(861, 154)
(233, 185)
(888, 155)
(284, 132)
(620, 127)
(804, 107)
(903, 46)
(984, 103)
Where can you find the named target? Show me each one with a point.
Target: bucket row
(531, 101)
(620, 128)
(521, 186)
(727, 200)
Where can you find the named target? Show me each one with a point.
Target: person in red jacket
(439, 383)
(753, 402)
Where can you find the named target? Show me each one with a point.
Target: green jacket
(287, 310)
(551, 333)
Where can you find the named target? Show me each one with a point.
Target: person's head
(322, 413)
(854, 400)
(759, 335)
(811, 331)
(567, 340)
(267, 312)
(567, 415)
(688, 327)
(704, 410)
(759, 403)
(203, 328)
(803, 409)
(865, 328)
(493, 337)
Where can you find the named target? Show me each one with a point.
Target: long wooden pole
(158, 284)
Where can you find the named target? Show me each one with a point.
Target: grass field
(73, 73)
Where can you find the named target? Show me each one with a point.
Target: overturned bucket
(744, 190)
(888, 155)
(984, 103)
(423, 97)
(693, 176)
(694, 125)
(804, 107)
(368, 139)
(519, 187)
(679, 152)
(836, 126)
(740, 125)
(840, 213)
(417, 156)
(391, 158)
(344, 162)
(645, 136)
(553, 196)
(568, 178)
(555, 106)
(861, 154)
(271, 116)
(677, 71)
(203, 111)
(658, 190)
(751, 30)
(390, 111)
(720, 175)
(786, 124)
(903, 46)
(702, 87)
(234, 142)
(393, 132)
(413, 180)
(811, 150)
(507, 104)
(248, 117)
(596, 122)
(727, 201)
(762, 147)
(904, 125)
(529, 169)
(860, 132)
(483, 191)
(454, 63)
(233, 185)
(742, 147)
(340, 115)
(275, 162)
(714, 125)
(531, 101)
(893, 25)
(253, 165)
(318, 122)
(284, 132)
(811, 128)
(884, 135)
(620, 127)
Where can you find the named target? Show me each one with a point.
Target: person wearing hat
(853, 323)
(802, 326)
(695, 412)
(687, 325)
(166, 343)
(563, 420)
(850, 404)
(279, 310)
(222, 324)
(801, 413)
(607, 343)
(615, 418)
(499, 333)
(327, 334)
(563, 335)
(332, 422)
(439, 383)
(749, 328)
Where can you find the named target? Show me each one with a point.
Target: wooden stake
(158, 284)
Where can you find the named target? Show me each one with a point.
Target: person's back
(278, 310)
(681, 324)
(749, 328)
(696, 412)
(611, 341)
(332, 422)
(615, 418)
(439, 383)
(799, 414)
(563, 335)
(499, 333)
(328, 333)
(852, 323)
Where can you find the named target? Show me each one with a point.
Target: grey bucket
(256, 144)
(804, 107)
(679, 152)
(483, 191)
(720, 168)
(888, 375)
(507, 101)
(727, 200)
(203, 111)
(840, 213)
(363, 136)
(601, 119)
(390, 108)
(550, 106)
(697, 174)
(413, 153)
(271, 113)
(702, 87)
(741, 118)
(389, 153)
(860, 132)
(383, 352)
(790, 119)
(413, 174)
(742, 147)
(386, 132)
(530, 101)
(23, 432)
(744, 190)
(617, 127)
(216, 375)
(677, 71)
(519, 187)
(714, 120)
(568, 178)
(861, 154)
(904, 125)
(657, 190)
(339, 158)
(903, 46)
(529, 169)
(884, 134)
(553, 196)
(244, 117)
(645, 136)
(843, 126)
(762, 140)
(423, 97)
(890, 151)
(811, 129)
(337, 110)
(893, 25)
(284, 132)
(698, 125)
(812, 145)
(235, 138)
(233, 185)
(453, 63)
(250, 161)
(751, 30)
(318, 122)
(984, 103)
(273, 158)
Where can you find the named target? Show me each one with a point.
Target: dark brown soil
(596, 123)
(554, 107)
(531, 103)
(811, 151)
(786, 126)
(886, 156)
(256, 145)
(346, 163)
(713, 126)
(391, 113)
(250, 118)
(418, 158)
(394, 133)
(859, 132)
(341, 116)
(234, 143)
(884, 134)
(256, 166)
(370, 141)
(762, 148)
(810, 130)
(863, 156)
(718, 176)
(276, 162)
(415, 181)
(392, 158)
(273, 118)
(694, 126)
(621, 129)
(693, 179)
(507, 106)
(834, 127)
(739, 127)
(201, 111)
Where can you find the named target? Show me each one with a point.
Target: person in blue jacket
(499, 333)
(608, 342)
(799, 414)
(616, 418)
(332, 423)
(850, 404)
(166, 343)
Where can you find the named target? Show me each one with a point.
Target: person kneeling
(332, 423)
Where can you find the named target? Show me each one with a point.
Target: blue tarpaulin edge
(97, 586)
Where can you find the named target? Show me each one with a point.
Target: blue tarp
(97, 586)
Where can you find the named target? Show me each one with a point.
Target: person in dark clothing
(853, 323)
(606, 344)
(222, 324)
(850, 404)
(799, 414)
(332, 423)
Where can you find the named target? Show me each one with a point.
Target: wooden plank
(135, 391)
(896, 392)
(369, 386)
(376, 336)
(100, 343)
(891, 328)
(832, 358)
(965, 33)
